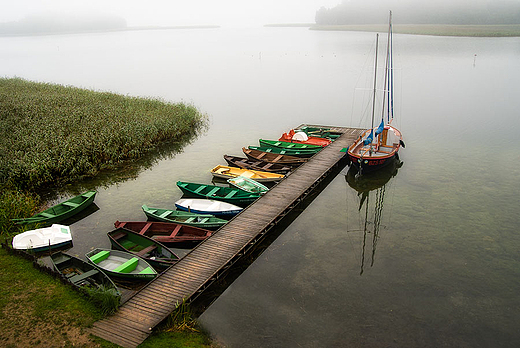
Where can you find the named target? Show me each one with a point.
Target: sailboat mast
(375, 83)
(387, 74)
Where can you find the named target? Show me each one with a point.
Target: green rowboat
(226, 194)
(185, 218)
(61, 211)
(122, 265)
(248, 185)
(290, 152)
(156, 254)
(288, 145)
(319, 132)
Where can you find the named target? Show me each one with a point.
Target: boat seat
(119, 235)
(231, 194)
(200, 188)
(248, 174)
(146, 250)
(100, 256)
(165, 214)
(128, 266)
(79, 277)
(70, 204)
(47, 215)
(204, 220)
(147, 270)
(190, 219)
(176, 230)
(213, 191)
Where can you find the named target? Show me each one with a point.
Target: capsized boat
(226, 194)
(248, 185)
(205, 221)
(61, 211)
(289, 152)
(378, 146)
(45, 238)
(168, 233)
(303, 138)
(208, 206)
(82, 274)
(156, 254)
(254, 164)
(269, 157)
(227, 172)
(286, 144)
(121, 264)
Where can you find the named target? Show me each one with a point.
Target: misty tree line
(366, 12)
(56, 24)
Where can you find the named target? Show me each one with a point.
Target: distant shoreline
(512, 30)
(93, 31)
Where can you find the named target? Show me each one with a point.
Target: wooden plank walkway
(136, 318)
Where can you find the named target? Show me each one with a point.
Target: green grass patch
(432, 29)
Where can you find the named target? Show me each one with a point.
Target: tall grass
(52, 134)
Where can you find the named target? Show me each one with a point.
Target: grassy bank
(52, 135)
(431, 29)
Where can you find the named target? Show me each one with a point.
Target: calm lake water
(429, 259)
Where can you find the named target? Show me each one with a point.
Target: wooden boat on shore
(231, 195)
(248, 185)
(45, 238)
(227, 172)
(121, 264)
(82, 274)
(167, 232)
(205, 221)
(248, 163)
(288, 152)
(61, 211)
(287, 145)
(208, 206)
(303, 138)
(156, 254)
(269, 157)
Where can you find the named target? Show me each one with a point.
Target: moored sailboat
(379, 145)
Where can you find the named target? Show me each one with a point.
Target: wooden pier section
(136, 318)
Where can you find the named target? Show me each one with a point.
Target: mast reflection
(364, 184)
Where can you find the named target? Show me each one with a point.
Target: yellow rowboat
(225, 172)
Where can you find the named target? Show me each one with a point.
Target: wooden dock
(136, 318)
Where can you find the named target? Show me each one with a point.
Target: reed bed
(52, 133)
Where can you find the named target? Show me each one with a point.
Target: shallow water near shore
(428, 258)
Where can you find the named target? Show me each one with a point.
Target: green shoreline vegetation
(52, 135)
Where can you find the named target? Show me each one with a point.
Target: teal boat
(289, 152)
(248, 185)
(226, 194)
(321, 132)
(184, 218)
(288, 145)
(121, 264)
(61, 211)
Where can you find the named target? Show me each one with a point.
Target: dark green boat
(185, 218)
(287, 145)
(155, 253)
(290, 152)
(319, 132)
(226, 194)
(61, 211)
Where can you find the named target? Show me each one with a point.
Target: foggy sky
(175, 12)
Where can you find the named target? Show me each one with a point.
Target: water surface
(430, 259)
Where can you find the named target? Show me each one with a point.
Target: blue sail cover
(379, 129)
(369, 139)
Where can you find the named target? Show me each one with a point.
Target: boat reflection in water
(364, 185)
